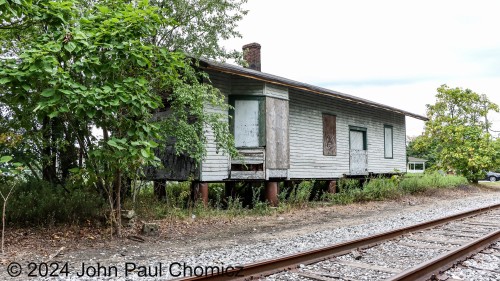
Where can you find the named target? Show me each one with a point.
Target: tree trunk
(69, 154)
(117, 201)
(4, 208)
(48, 152)
(3, 224)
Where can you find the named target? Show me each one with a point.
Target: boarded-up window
(246, 123)
(329, 135)
(357, 140)
(247, 120)
(387, 141)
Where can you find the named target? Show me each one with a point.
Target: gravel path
(243, 251)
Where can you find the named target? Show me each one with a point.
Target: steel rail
(427, 270)
(269, 267)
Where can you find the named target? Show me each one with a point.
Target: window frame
(386, 126)
(262, 116)
(365, 136)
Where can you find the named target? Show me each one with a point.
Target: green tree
(422, 147)
(199, 25)
(496, 158)
(457, 131)
(81, 83)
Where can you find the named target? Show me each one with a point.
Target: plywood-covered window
(388, 141)
(247, 121)
(329, 135)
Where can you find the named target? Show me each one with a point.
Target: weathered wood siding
(215, 166)
(306, 136)
(175, 167)
(277, 140)
(276, 91)
(245, 86)
(305, 133)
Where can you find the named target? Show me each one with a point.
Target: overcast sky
(393, 52)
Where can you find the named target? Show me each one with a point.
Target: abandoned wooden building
(287, 130)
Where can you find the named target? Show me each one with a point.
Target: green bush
(216, 194)
(39, 203)
(345, 184)
(259, 207)
(178, 194)
(350, 190)
(299, 195)
(421, 182)
(380, 188)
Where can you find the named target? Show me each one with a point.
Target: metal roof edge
(266, 77)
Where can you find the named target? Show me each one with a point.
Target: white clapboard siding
(306, 136)
(276, 91)
(306, 132)
(215, 166)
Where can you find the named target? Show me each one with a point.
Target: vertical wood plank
(277, 143)
(329, 135)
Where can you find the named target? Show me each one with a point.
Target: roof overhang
(269, 78)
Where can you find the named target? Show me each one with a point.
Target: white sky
(393, 52)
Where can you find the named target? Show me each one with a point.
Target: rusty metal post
(272, 193)
(332, 186)
(203, 191)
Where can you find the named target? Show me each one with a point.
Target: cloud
(393, 52)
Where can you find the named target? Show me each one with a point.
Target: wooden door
(358, 154)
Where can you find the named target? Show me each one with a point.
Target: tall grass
(414, 183)
(387, 188)
(39, 203)
(179, 205)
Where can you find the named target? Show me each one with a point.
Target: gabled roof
(270, 78)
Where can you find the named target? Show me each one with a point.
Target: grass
(390, 188)
(38, 203)
(491, 184)
(301, 195)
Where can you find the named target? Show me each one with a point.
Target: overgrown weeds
(39, 203)
(351, 191)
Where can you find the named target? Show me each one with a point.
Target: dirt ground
(178, 238)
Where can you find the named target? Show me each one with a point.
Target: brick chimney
(251, 54)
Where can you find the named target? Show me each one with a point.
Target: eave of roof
(270, 78)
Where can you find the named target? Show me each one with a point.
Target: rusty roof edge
(266, 77)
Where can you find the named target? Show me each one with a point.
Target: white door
(246, 123)
(358, 155)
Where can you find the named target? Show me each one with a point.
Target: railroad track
(417, 252)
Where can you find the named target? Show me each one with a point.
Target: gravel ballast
(241, 251)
